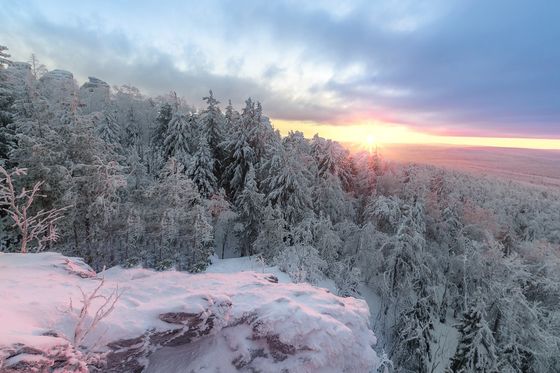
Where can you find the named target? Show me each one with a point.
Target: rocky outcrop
(93, 84)
(61, 357)
(175, 322)
(132, 354)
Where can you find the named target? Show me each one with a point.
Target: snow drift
(173, 321)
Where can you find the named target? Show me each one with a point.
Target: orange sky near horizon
(384, 133)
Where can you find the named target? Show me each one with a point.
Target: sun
(371, 142)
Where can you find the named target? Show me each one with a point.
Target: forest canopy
(161, 183)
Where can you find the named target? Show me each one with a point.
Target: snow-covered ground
(253, 263)
(224, 320)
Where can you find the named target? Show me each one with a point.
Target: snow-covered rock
(57, 75)
(175, 322)
(94, 83)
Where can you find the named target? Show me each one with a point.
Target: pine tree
(250, 205)
(131, 130)
(202, 241)
(201, 169)
(109, 130)
(272, 234)
(4, 57)
(212, 127)
(178, 138)
(413, 333)
(476, 351)
(288, 187)
(164, 116)
(241, 159)
(7, 98)
(330, 199)
(231, 119)
(302, 262)
(327, 241)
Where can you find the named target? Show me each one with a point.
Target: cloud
(461, 67)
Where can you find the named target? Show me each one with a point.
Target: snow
(254, 263)
(447, 338)
(313, 329)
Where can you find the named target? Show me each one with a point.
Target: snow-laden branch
(83, 327)
(39, 226)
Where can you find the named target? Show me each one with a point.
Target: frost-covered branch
(39, 226)
(83, 327)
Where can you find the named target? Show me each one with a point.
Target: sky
(461, 72)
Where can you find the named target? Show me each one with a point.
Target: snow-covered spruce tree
(252, 120)
(136, 115)
(332, 159)
(131, 127)
(231, 119)
(405, 261)
(164, 116)
(167, 255)
(92, 189)
(105, 184)
(201, 169)
(132, 253)
(4, 57)
(179, 236)
(241, 155)
(249, 205)
(7, 98)
(287, 185)
(272, 234)
(328, 242)
(179, 137)
(202, 241)
(384, 212)
(413, 338)
(476, 351)
(212, 127)
(330, 199)
(302, 262)
(521, 312)
(372, 248)
(109, 130)
(137, 173)
(347, 277)
(300, 259)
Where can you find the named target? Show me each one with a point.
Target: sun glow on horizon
(371, 143)
(376, 134)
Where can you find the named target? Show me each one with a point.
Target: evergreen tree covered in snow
(241, 155)
(272, 234)
(164, 116)
(201, 169)
(476, 351)
(212, 128)
(413, 334)
(7, 98)
(179, 137)
(288, 187)
(4, 57)
(109, 130)
(250, 204)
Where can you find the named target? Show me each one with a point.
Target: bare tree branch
(39, 227)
